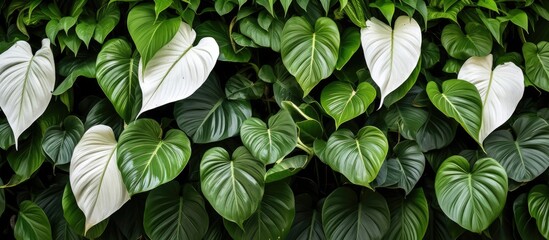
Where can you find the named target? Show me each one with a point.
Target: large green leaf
(59, 141)
(310, 52)
(148, 32)
(117, 67)
(76, 218)
(348, 216)
(476, 42)
(27, 159)
(174, 212)
(525, 224)
(406, 168)
(233, 185)
(523, 152)
(358, 157)
(220, 32)
(273, 218)
(537, 63)
(208, 116)
(32, 222)
(307, 223)
(270, 143)
(475, 197)
(343, 102)
(409, 216)
(461, 101)
(146, 160)
(538, 206)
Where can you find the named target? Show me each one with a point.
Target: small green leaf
(525, 224)
(6, 134)
(406, 168)
(518, 17)
(32, 222)
(387, 8)
(350, 42)
(286, 168)
(160, 6)
(220, 32)
(476, 42)
(239, 87)
(538, 206)
(107, 18)
(343, 102)
(59, 141)
(85, 29)
(537, 63)
(73, 68)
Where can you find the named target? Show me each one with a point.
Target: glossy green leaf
(32, 222)
(107, 19)
(437, 132)
(488, 4)
(358, 157)
(406, 168)
(538, 206)
(234, 185)
(6, 134)
(174, 212)
(148, 160)
(208, 116)
(409, 216)
(310, 52)
(59, 141)
(386, 7)
(223, 7)
(537, 63)
(273, 217)
(348, 216)
(343, 102)
(518, 17)
(350, 42)
(403, 89)
(161, 5)
(494, 25)
(269, 143)
(240, 87)
(286, 168)
(76, 218)
(473, 197)
(525, 224)
(405, 119)
(476, 41)
(285, 86)
(251, 28)
(50, 200)
(27, 159)
(307, 223)
(220, 32)
(84, 30)
(104, 113)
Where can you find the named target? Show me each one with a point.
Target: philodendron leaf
(343, 102)
(406, 168)
(310, 52)
(59, 141)
(471, 197)
(32, 223)
(270, 143)
(358, 158)
(27, 159)
(147, 160)
(95, 179)
(538, 206)
(500, 90)
(409, 216)
(525, 156)
(117, 76)
(348, 216)
(391, 54)
(175, 212)
(286, 168)
(234, 185)
(459, 100)
(477, 41)
(308, 220)
(76, 218)
(26, 84)
(526, 224)
(537, 63)
(178, 69)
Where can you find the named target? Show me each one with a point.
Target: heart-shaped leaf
(286, 168)
(208, 116)
(76, 218)
(461, 101)
(525, 156)
(174, 212)
(117, 69)
(473, 198)
(406, 168)
(310, 52)
(391, 54)
(406, 119)
(147, 160)
(273, 142)
(178, 69)
(500, 90)
(308, 220)
(525, 224)
(358, 158)
(273, 217)
(343, 102)
(32, 222)
(409, 216)
(348, 216)
(476, 42)
(233, 186)
(59, 141)
(536, 59)
(538, 205)
(95, 179)
(26, 83)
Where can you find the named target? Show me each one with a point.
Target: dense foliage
(305, 119)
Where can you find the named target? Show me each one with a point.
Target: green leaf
(406, 168)
(233, 186)
(174, 212)
(409, 216)
(430, 54)
(307, 223)
(66, 23)
(146, 160)
(310, 53)
(73, 68)
(148, 32)
(250, 28)
(354, 9)
(538, 206)
(343, 102)
(358, 158)
(537, 63)
(220, 32)
(488, 4)
(450, 13)
(103, 113)
(240, 87)
(267, 4)
(6, 134)
(161, 5)
(76, 218)
(495, 26)
(69, 40)
(459, 100)
(117, 70)
(403, 89)
(32, 222)
(437, 132)
(85, 29)
(59, 141)
(208, 116)
(286, 168)
(107, 19)
(518, 17)
(476, 42)
(286, 5)
(525, 224)
(273, 217)
(28, 158)
(473, 198)
(223, 7)
(270, 143)
(350, 42)
(285, 87)
(348, 216)
(50, 200)
(386, 7)
(406, 119)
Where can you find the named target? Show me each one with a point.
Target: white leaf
(94, 176)
(26, 84)
(391, 55)
(500, 90)
(178, 69)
